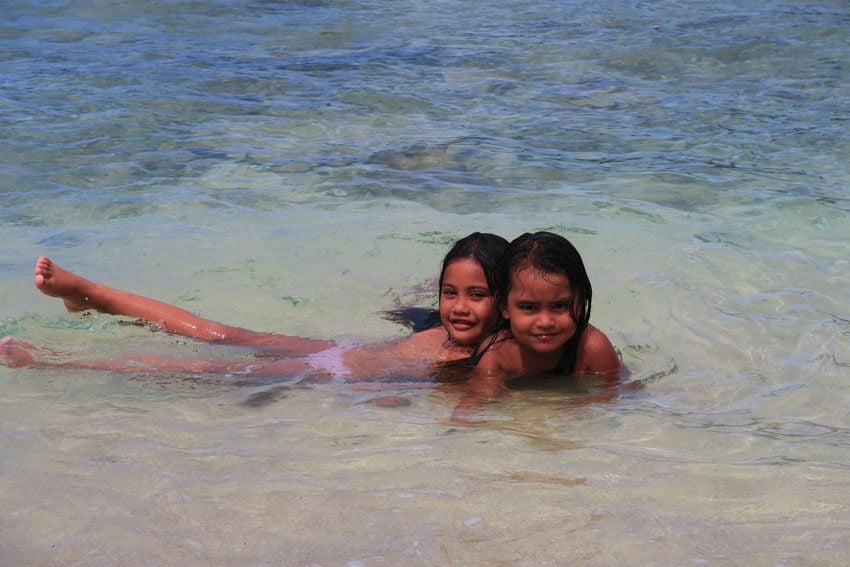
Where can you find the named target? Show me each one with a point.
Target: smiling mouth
(463, 324)
(546, 338)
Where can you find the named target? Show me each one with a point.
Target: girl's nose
(545, 320)
(461, 305)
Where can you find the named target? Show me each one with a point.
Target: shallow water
(301, 166)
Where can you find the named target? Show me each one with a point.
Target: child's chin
(546, 348)
(464, 339)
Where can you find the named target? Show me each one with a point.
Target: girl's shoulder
(428, 337)
(596, 353)
(421, 340)
(432, 344)
(593, 338)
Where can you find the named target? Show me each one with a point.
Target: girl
(543, 295)
(466, 312)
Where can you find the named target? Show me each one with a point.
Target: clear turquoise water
(300, 166)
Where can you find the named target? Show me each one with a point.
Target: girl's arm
(483, 386)
(486, 382)
(80, 294)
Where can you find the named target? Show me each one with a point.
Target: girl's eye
(449, 292)
(563, 306)
(478, 295)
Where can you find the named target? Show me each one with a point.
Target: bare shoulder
(596, 353)
(429, 339)
(430, 344)
(593, 340)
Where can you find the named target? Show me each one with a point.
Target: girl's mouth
(545, 337)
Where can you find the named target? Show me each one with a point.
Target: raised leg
(80, 294)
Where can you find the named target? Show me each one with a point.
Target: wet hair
(545, 253)
(414, 318)
(483, 247)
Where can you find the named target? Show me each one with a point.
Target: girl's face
(539, 308)
(466, 304)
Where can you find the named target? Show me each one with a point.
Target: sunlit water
(299, 167)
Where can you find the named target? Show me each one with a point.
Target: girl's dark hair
(414, 318)
(545, 253)
(483, 247)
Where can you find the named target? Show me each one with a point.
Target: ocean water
(301, 166)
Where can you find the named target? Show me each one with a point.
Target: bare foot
(15, 353)
(52, 280)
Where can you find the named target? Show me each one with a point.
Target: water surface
(301, 166)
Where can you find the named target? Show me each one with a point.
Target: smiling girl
(466, 312)
(544, 297)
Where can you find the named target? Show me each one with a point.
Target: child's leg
(16, 354)
(80, 294)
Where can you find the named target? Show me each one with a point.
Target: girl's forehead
(530, 280)
(464, 269)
